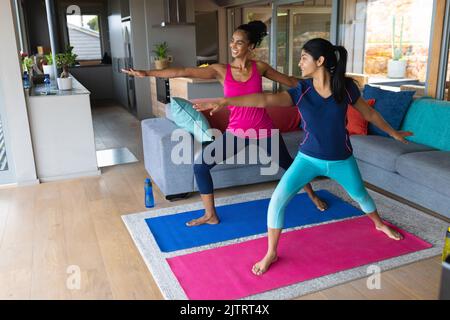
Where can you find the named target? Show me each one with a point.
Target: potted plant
(162, 60)
(47, 65)
(397, 65)
(27, 63)
(27, 69)
(64, 61)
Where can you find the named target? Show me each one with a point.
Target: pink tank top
(244, 119)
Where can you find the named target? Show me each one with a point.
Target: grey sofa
(415, 172)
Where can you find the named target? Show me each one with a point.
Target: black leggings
(202, 168)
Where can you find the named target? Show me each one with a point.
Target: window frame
(444, 56)
(89, 11)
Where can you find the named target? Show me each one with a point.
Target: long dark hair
(335, 62)
(255, 30)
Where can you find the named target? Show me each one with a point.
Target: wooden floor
(47, 228)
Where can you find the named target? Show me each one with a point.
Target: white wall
(14, 99)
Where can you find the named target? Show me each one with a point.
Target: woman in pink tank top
(252, 122)
(243, 76)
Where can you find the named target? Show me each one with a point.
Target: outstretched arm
(371, 115)
(276, 76)
(259, 100)
(209, 72)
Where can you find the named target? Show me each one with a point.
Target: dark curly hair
(255, 30)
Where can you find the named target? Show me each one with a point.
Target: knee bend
(200, 169)
(365, 201)
(275, 215)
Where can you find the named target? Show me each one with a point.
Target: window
(388, 41)
(262, 53)
(300, 22)
(84, 36)
(297, 22)
(447, 80)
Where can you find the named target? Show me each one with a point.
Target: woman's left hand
(212, 106)
(400, 136)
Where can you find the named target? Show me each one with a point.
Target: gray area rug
(428, 228)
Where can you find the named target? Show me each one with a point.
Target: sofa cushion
(382, 152)
(286, 119)
(391, 105)
(356, 124)
(186, 117)
(429, 120)
(431, 169)
(218, 120)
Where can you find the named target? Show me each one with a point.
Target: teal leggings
(306, 168)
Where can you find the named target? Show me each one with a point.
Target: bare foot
(320, 204)
(262, 266)
(203, 220)
(391, 233)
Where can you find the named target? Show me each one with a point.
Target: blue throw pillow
(391, 105)
(185, 116)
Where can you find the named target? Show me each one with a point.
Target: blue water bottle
(149, 200)
(47, 83)
(26, 80)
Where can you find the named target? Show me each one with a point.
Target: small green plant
(48, 59)
(397, 52)
(161, 50)
(27, 64)
(66, 60)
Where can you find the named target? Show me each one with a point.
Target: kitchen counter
(186, 88)
(62, 132)
(40, 90)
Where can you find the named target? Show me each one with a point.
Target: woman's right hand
(135, 73)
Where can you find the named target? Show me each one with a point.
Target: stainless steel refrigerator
(127, 64)
(121, 53)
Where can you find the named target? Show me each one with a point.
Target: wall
(36, 23)
(181, 39)
(208, 6)
(206, 31)
(15, 113)
(97, 79)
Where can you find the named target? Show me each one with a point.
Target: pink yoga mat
(225, 272)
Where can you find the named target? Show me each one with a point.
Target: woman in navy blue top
(322, 100)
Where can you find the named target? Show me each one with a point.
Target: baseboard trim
(407, 202)
(72, 176)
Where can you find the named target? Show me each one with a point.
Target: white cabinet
(62, 133)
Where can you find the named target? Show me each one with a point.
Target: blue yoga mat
(242, 220)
